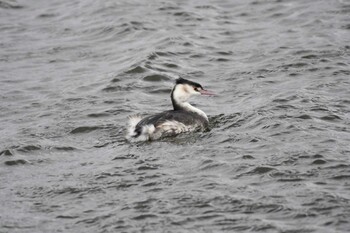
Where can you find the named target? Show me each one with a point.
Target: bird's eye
(196, 89)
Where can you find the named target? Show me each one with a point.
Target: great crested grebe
(184, 117)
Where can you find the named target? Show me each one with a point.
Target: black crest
(185, 81)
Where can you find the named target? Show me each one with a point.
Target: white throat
(180, 96)
(191, 108)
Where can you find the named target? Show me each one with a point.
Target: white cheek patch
(181, 94)
(190, 90)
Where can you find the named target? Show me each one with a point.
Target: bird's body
(184, 117)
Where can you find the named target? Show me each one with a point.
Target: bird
(183, 118)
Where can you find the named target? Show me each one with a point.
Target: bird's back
(170, 123)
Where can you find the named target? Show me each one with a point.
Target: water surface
(275, 160)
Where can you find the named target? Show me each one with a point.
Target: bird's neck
(188, 107)
(182, 104)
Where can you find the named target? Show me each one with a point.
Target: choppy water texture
(275, 160)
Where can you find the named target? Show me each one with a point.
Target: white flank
(146, 132)
(149, 132)
(170, 128)
(133, 121)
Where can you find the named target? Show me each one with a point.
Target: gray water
(277, 156)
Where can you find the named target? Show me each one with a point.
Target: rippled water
(275, 160)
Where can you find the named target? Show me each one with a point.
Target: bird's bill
(206, 92)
